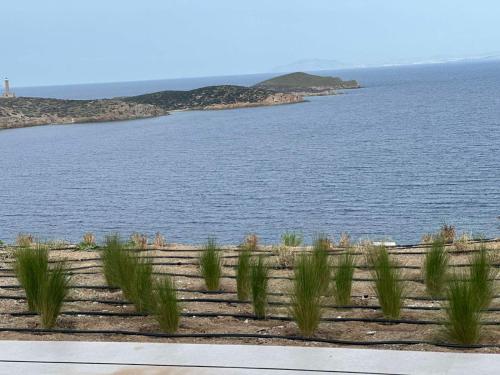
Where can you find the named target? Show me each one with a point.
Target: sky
(84, 41)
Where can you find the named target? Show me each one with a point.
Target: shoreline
(20, 112)
(228, 108)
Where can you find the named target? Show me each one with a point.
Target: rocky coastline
(18, 112)
(25, 111)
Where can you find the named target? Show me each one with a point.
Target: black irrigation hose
(235, 301)
(246, 336)
(71, 300)
(223, 292)
(247, 316)
(194, 276)
(216, 292)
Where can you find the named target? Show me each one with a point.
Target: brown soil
(363, 295)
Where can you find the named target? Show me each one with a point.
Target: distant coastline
(287, 89)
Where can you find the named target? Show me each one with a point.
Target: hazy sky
(71, 41)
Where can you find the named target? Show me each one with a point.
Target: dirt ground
(181, 260)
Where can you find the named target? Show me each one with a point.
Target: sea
(416, 147)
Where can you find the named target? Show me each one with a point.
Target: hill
(213, 97)
(306, 83)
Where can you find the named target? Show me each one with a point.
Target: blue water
(416, 147)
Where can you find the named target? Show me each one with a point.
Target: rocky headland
(291, 88)
(24, 111)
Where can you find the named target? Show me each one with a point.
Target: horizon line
(488, 58)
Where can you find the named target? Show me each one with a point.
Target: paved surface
(76, 357)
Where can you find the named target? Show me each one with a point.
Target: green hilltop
(300, 80)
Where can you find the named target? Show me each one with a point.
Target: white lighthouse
(6, 90)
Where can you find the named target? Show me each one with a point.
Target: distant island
(16, 112)
(307, 84)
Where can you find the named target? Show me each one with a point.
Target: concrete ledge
(77, 357)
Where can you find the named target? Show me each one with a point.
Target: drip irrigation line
(103, 287)
(195, 276)
(246, 316)
(218, 292)
(246, 336)
(71, 300)
(247, 302)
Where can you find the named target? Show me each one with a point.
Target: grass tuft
(258, 282)
(166, 308)
(321, 261)
(31, 268)
(211, 265)
(159, 241)
(243, 275)
(482, 276)
(138, 287)
(388, 286)
(25, 240)
(112, 257)
(131, 273)
(342, 278)
(463, 318)
(345, 240)
(293, 239)
(447, 233)
(434, 268)
(306, 297)
(138, 241)
(53, 291)
(88, 242)
(251, 241)
(45, 288)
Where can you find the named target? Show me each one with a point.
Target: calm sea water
(416, 147)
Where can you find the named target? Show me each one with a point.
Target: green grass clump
(31, 268)
(258, 282)
(112, 257)
(291, 239)
(88, 242)
(53, 291)
(321, 261)
(388, 286)
(342, 278)
(306, 295)
(463, 317)
(166, 308)
(481, 276)
(434, 268)
(243, 275)
(45, 288)
(139, 287)
(129, 272)
(211, 265)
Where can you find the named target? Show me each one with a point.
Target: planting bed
(95, 312)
